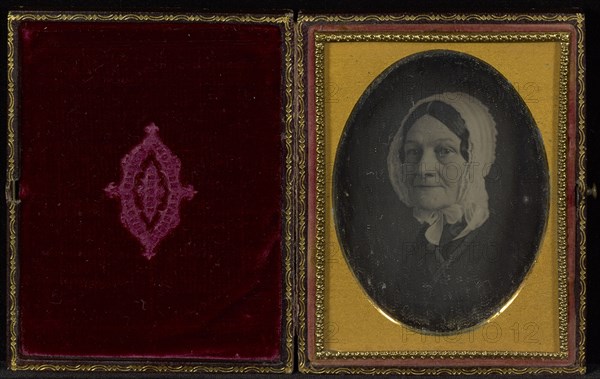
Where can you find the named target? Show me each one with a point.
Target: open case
(373, 194)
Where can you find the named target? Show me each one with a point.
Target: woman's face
(433, 165)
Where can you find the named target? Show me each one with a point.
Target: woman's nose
(427, 166)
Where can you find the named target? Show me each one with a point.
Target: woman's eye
(444, 152)
(412, 154)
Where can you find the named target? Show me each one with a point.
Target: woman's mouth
(427, 185)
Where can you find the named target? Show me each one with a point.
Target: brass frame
(12, 176)
(322, 37)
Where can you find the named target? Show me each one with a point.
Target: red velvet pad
(212, 288)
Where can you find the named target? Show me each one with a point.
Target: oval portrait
(440, 191)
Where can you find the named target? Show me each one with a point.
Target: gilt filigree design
(150, 191)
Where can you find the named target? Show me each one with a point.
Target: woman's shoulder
(495, 243)
(493, 230)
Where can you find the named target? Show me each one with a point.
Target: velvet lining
(214, 288)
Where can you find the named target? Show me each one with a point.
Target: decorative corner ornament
(150, 191)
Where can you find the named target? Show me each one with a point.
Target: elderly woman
(440, 201)
(437, 164)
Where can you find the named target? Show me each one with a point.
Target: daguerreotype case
(383, 194)
(150, 192)
(441, 227)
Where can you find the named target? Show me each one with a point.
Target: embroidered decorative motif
(150, 191)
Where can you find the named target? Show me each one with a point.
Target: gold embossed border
(581, 179)
(321, 38)
(12, 176)
(305, 365)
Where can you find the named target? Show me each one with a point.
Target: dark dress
(455, 285)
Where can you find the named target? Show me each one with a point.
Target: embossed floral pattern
(150, 191)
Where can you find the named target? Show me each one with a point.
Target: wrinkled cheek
(408, 172)
(451, 174)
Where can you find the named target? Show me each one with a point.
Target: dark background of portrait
(591, 9)
(377, 231)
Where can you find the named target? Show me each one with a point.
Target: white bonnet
(472, 197)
